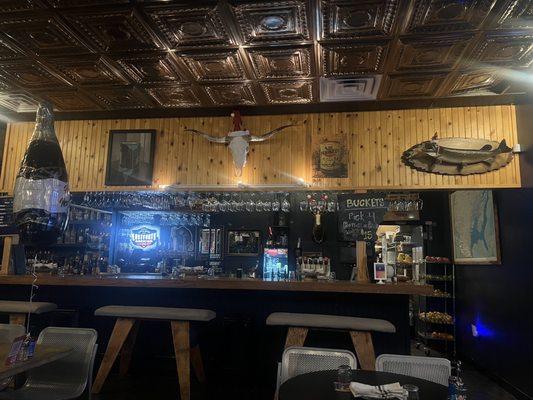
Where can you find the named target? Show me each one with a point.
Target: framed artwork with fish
(458, 156)
(474, 224)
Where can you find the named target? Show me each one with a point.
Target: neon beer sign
(144, 237)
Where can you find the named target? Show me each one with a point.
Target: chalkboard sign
(7, 227)
(360, 215)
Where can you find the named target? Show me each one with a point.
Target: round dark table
(319, 385)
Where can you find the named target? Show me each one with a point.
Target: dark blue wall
(499, 299)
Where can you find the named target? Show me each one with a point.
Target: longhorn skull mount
(239, 140)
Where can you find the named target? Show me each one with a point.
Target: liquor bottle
(41, 195)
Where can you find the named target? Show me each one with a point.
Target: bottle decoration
(41, 196)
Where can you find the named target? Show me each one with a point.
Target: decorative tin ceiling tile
(449, 15)
(7, 52)
(470, 81)
(231, 94)
(215, 66)
(84, 3)
(20, 5)
(351, 19)
(18, 102)
(150, 67)
(414, 85)
(353, 59)
(288, 92)
(119, 97)
(190, 26)
(515, 14)
(435, 53)
(42, 33)
(174, 96)
(115, 29)
(28, 74)
(282, 63)
(70, 100)
(273, 21)
(506, 50)
(88, 70)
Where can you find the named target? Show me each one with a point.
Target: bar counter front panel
(238, 337)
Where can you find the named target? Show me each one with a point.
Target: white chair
(301, 360)
(432, 369)
(66, 378)
(8, 332)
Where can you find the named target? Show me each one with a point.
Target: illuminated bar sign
(144, 237)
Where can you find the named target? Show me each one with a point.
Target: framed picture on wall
(243, 243)
(474, 224)
(130, 157)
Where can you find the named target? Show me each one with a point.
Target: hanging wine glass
(276, 205)
(285, 204)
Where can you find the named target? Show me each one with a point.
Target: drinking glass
(412, 392)
(285, 204)
(344, 377)
(276, 204)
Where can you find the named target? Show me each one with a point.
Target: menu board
(360, 216)
(7, 227)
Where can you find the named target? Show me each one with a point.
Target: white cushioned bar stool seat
(331, 322)
(125, 331)
(25, 307)
(163, 313)
(18, 310)
(359, 328)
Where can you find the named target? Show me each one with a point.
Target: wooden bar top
(155, 281)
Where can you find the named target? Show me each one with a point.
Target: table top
(158, 281)
(43, 355)
(319, 385)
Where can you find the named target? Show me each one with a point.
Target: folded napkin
(390, 391)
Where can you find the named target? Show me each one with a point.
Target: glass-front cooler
(153, 241)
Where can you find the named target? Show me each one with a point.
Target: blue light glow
(479, 329)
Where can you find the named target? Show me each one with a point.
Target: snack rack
(435, 319)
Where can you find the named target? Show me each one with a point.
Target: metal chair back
(66, 378)
(301, 360)
(8, 332)
(432, 369)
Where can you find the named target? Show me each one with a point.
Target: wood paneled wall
(376, 140)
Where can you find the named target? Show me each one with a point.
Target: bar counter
(158, 281)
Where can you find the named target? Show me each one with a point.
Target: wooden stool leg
(17, 319)
(180, 336)
(197, 364)
(127, 350)
(362, 342)
(296, 337)
(118, 337)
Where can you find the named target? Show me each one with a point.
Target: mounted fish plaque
(458, 156)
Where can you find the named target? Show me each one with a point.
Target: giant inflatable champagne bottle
(41, 196)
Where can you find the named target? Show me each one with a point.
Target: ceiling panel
(186, 26)
(106, 55)
(273, 21)
(347, 19)
(293, 62)
(288, 92)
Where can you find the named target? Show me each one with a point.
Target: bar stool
(125, 331)
(359, 328)
(18, 310)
